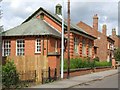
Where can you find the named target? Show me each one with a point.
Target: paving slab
(67, 83)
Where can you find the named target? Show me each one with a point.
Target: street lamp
(62, 42)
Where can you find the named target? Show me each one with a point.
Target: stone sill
(53, 54)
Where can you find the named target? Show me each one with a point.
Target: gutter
(83, 34)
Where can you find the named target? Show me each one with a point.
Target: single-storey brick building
(40, 34)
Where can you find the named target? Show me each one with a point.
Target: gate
(49, 75)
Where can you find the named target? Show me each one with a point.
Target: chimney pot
(104, 29)
(95, 22)
(113, 32)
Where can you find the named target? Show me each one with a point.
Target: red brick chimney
(95, 22)
(104, 29)
(113, 32)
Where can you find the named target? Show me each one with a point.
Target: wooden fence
(31, 63)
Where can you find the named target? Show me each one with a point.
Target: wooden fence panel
(31, 63)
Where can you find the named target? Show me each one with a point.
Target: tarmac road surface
(107, 82)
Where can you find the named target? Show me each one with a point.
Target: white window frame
(90, 51)
(36, 45)
(76, 41)
(84, 49)
(8, 48)
(17, 47)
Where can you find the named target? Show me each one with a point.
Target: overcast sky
(16, 11)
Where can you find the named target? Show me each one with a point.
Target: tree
(10, 77)
(117, 54)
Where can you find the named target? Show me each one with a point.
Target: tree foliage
(10, 77)
(117, 54)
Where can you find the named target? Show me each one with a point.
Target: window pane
(38, 45)
(20, 47)
(6, 47)
(76, 43)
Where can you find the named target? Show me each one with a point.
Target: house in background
(40, 34)
(102, 42)
(116, 38)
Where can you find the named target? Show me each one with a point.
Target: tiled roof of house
(32, 27)
(56, 17)
(108, 37)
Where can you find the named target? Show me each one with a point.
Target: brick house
(103, 42)
(40, 34)
(116, 38)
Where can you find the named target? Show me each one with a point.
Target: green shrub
(102, 63)
(10, 77)
(65, 64)
(117, 54)
(85, 63)
(75, 63)
(96, 59)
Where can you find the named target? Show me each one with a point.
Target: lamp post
(62, 42)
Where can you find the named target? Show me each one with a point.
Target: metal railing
(49, 75)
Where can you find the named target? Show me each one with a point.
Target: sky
(16, 11)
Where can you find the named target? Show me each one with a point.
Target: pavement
(73, 81)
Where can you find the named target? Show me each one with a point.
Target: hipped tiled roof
(56, 18)
(32, 27)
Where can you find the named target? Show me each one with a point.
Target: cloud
(107, 13)
(16, 11)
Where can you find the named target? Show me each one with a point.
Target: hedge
(85, 63)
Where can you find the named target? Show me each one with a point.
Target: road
(107, 82)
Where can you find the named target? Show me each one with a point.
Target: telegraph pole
(68, 42)
(1, 30)
(62, 44)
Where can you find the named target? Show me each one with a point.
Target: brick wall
(79, 54)
(29, 46)
(53, 61)
(72, 54)
(53, 23)
(13, 47)
(102, 46)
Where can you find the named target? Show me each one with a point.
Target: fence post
(35, 75)
(55, 74)
(49, 76)
(42, 77)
